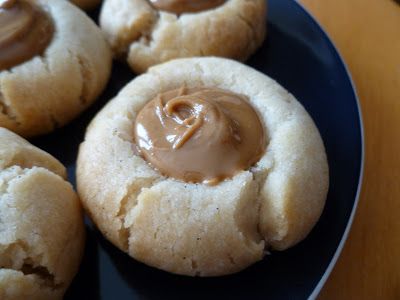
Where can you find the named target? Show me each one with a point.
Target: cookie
(86, 4)
(41, 229)
(191, 225)
(147, 33)
(55, 71)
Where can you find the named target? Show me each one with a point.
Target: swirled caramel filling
(186, 6)
(25, 31)
(199, 134)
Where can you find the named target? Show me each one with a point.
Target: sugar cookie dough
(54, 62)
(86, 4)
(151, 32)
(41, 229)
(202, 229)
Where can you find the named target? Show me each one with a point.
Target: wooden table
(367, 33)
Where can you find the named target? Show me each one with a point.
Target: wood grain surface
(367, 33)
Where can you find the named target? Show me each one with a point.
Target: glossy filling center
(25, 31)
(186, 6)
(199, 134)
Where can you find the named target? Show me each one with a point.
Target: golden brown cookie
(52, 84)
(147, 34)
(196, 228)
(41, 229)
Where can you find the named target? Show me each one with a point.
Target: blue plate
(300, 56)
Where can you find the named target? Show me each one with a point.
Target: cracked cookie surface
(50, 90)
(196, 229)
(147, 36)
(41, 223)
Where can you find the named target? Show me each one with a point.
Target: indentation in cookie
(25, 31)
(247, 214)
(252, 30)
(5, 108)
(199, 134)
(127, 203)
(87, 78)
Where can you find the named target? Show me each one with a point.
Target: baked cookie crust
(48, 91)
(147, 36)
(195, 229)
(41, 230)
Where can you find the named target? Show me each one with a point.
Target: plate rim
(350, 221)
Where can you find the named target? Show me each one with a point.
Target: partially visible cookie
(86, 4)
(55, 71)
(149, 34)
(41, 229)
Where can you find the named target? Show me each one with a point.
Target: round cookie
(86, 4)
(198, 229)
(49, 89)
(41, 230)
(148, 36)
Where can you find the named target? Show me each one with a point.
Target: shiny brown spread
(25, 31)
(185, 6)
(199, 134)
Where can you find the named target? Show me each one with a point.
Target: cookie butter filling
(186, 6)
(199, 134)
(25, 31)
